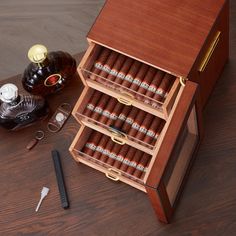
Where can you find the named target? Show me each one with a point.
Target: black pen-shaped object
(60, 179)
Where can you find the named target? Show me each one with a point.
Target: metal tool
(39, 135)
(44, 193)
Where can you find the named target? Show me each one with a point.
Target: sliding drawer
(99, 152)
(130, 81)
(124, 124)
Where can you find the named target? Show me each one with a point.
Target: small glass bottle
(17, 111)
(48, 72)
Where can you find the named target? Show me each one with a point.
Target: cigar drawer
(164, 173)
(124, 93)
(146, 141)
(110, 171)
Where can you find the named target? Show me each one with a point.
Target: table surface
(98, 206)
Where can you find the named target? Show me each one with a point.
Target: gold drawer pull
(114, 176)
(117, 140)
(210, 52)
(126, 100)
(183, 80)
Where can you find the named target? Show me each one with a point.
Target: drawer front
(130, 81)
(173, 159)
(118, 162)
(124, 124)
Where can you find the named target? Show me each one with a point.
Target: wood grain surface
(169, 34)
(104, 208)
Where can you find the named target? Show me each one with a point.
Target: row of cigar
(118, 69)
(126, 119)
(125, 158)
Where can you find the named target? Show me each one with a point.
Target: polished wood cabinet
(183, 46)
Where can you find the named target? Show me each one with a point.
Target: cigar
(152, 130)
(91, 144)
(92, 103)
(137, 123)
(106, 151)
(162, 89)
(145, 170)
(129, 156)
(105, 117)
(124, 70)
(121, 156)
(141, 165)
(134, 162)
(131, 74)
(146, 82)
(100, 147)
(115, 113)
(113, 154)
(116, 68)
(139, 77)
(102, 58)
(100, 106)
(144, 126)
(159, 129)
(130, 120)
(154, 84)
(122, 117)
(106, 69)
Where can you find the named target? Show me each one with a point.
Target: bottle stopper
(8, 92)
(37, 53)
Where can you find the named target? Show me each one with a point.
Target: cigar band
(98, 65)
(114, 72)
(156, 105)
(152, 88)
(146, 101)
(99, 149)
(143, 129)
(140, 167)
(106, 152)
(106, 68)
(122, 117)
(99, 110)
(136, 126)
(113, 116)
(90, 106)
(121, 75)
(119, 158)
(126, 161)
(160, 92)
(137, 81)
(151, 133)
(144, 85)
(156, 136)
(112, 155)
(145, 170)
(91, 146)
(106, 113)
(133, 164)
(129, 78)
(129, 120)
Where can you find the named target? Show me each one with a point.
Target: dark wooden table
(102, 207)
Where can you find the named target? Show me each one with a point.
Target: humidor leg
(160, 202)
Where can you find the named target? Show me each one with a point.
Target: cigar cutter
(59, 117)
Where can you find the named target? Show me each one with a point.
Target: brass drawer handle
(114, 176)
(126, 100)
(117, 140)
(210, 52)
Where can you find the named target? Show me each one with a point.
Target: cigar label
(137, 123)
(100, 147)
(121, 156)
(141, 165)
(114, 114)
(139, 77)
(113, 154)
(103, 56)
(134, 162)
(126, 162)
(95, 97)
(122, 117)
(145, 126)
(106, 151)
(106, 114)
(130, 119)
(92, 142)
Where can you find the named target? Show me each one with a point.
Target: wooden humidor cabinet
(188, 42)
